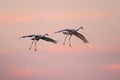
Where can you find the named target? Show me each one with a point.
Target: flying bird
(70, 32)
(36, 38)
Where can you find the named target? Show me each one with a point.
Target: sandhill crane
(71, 32)
(36, 38)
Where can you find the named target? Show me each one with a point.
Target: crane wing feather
(79, 35)
(27, 36)
(49, 39)
(62, 30)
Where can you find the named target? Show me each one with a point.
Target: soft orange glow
(12, 19)
(32, 72)
(5, 51)
(113, 67)
(84, 48)
(97, 60)
(22, 72)
(54, 16)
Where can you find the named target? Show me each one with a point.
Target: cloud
(22, 72)
(15, 19)
(82, 49)
(112, 67)
(54, 16)
(32, 72)
(5, 51)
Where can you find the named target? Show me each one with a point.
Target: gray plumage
(79, 35)
(70, 32)
(49, 39)
(38, 37)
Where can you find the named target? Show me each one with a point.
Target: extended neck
(46, 35)
(79, 28)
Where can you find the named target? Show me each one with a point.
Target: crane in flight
(70, 32)
(36, 38)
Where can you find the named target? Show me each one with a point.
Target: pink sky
(98, 60)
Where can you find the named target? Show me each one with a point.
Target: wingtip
(56, 42)
(55, 32)
(19, 37)
(86, 42)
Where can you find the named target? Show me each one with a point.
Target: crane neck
(79, 28)
(46, 34)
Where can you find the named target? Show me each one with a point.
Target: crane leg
(69, 41)
(31, 45)
(65, 40)
(35, 45)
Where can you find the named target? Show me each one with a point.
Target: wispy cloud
(22, 72)
(112, 67)
(32, 72)
(82, 49)
(5, 51)
(54, 16)
(14, 19)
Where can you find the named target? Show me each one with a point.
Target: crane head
(81, 27)
(46, 34)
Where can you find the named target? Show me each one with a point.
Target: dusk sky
(98, 60)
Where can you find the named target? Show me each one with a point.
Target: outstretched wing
(81, 37)
(62, 30)
(49, 39)
(27, 36)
